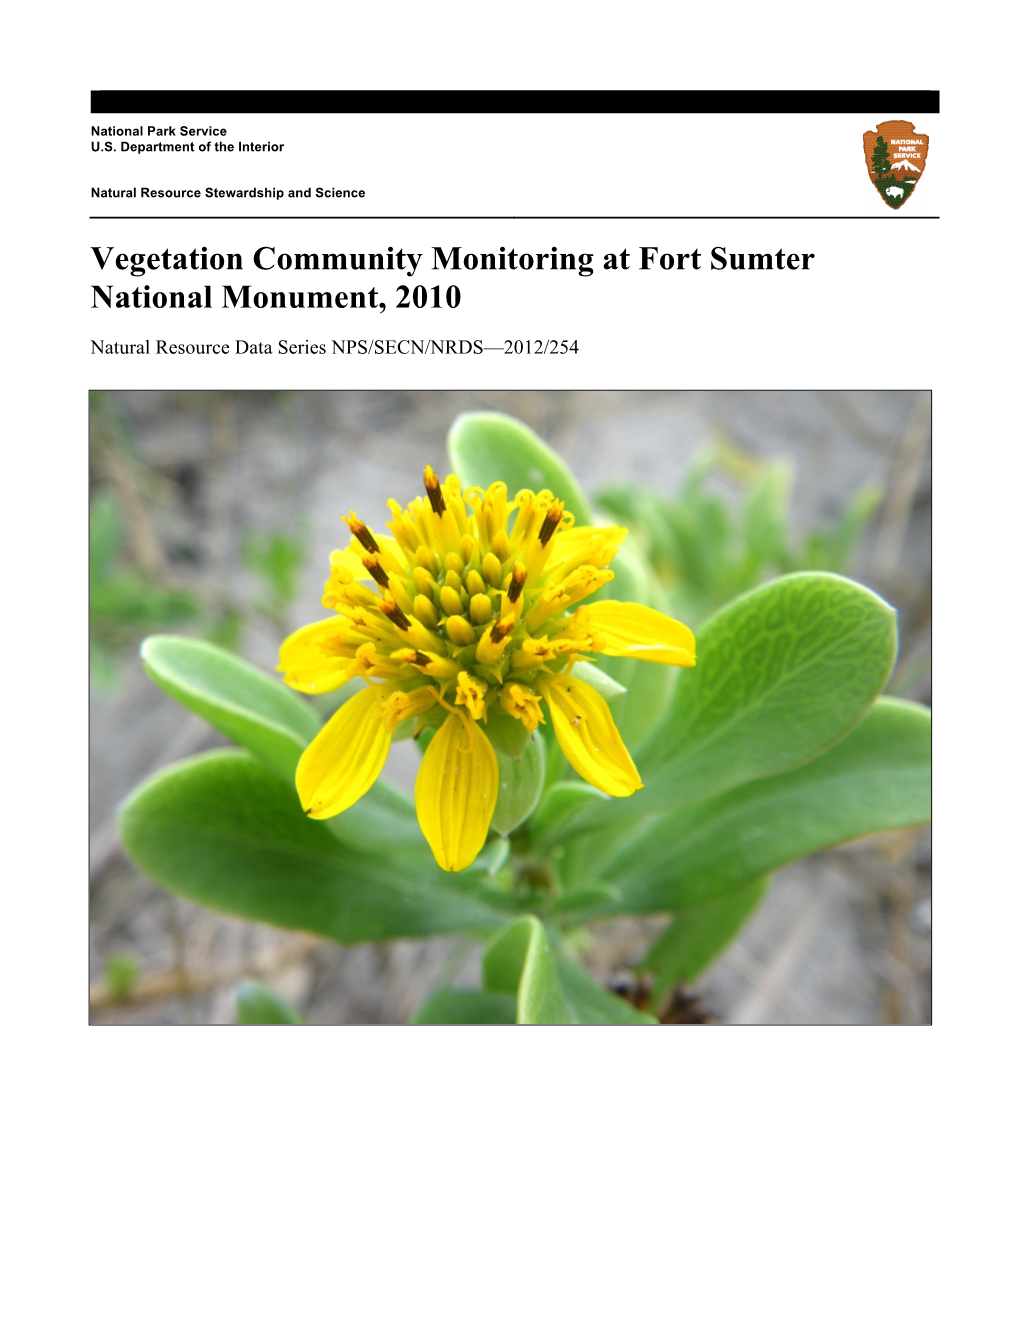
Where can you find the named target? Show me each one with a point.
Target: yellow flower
(468, 615)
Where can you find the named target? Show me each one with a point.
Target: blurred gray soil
(842, 937)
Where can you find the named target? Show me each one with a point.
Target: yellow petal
(642, 633)
(390, 556)
(351, 560)
(455, 793)
(590, 740)
(343, 761)
(572, 541)
(304, 659)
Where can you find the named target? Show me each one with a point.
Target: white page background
(385, 1173)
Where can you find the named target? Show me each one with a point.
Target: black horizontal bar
(515, 102)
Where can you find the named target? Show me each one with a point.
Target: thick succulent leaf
(592, 1004)
(259, 713)
(487, 446)
(250, 708)
(519, 961)
(550, 987)
(584, 850)
(877, 778)
(454, 1006)
(697, 935)
(225, 832)
(560, 805)
(257, 1005)
(587, 897)
(783, 673)
(508, 736)
(520, 787)
(384, 820)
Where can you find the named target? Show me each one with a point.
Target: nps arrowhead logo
(895, 155)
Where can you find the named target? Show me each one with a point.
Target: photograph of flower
(562, 708)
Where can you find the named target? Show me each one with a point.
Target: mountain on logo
(905, 165)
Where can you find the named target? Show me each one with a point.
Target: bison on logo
(895, 155)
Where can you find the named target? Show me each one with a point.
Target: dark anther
(552, 520)
(420, 659)
(513, 594)
(434, 493)
(359, 530)
(502, 629)
(377, 570)
(395, 615)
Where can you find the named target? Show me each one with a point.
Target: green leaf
(766, 540)
(549, 987)
(520, 786)
(519, 962)
(102, 664)
(703, 531)
(105, 537)
(621, 502)
(125, 601)
(783, 673)
(699, 934)
(384, 820)
(223, 831)
(591, 1004)
(594, 896)
(877, 778)
(121, 973)
(493, 857)
(834, 550)
(278, 559)
(466, 1007)
(245, 704)
(257, 1005)
(508, 736)
(584, 851)
(487, 446)
(561, 804)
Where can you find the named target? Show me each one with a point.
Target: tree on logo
(880, 161)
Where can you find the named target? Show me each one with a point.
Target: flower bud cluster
(469, 597)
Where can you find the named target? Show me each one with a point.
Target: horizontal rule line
(494, 101)
(513, 217)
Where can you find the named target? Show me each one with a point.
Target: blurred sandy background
(202, 482)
